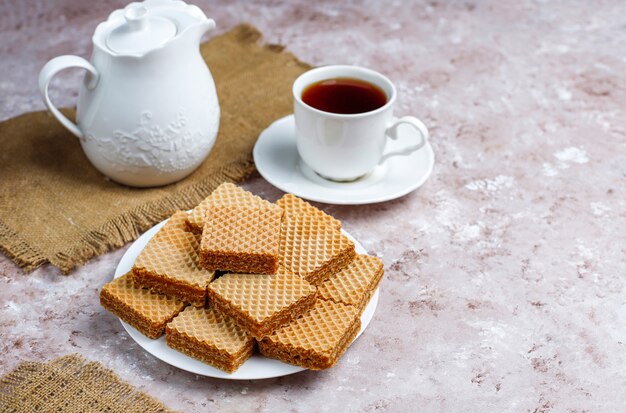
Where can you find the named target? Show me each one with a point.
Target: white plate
(277, 160)
(256, 367)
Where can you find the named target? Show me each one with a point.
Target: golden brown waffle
(262, 303)
(210, 336)
(169, 264)
(312, 249)
(354, 284)
(148, 312)
(241, 239)
(225, 194)
(292, 205)
(315, 340)
(175, 223)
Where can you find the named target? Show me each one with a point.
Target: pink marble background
(505, 273)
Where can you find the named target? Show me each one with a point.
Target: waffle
(225, 194)
(292, 205)
(174, 223)
(146, 311)
(312, 249)
(354, 284)
(262, 303)
(209, 336)
(169, 264)
(317, 339)
(241, 239)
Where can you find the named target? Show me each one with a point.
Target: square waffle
(169, 264)
(146, 311)
(292, 205)
(354, 284)
(313, 249)
(225, 194)
(241, 239)
(262, 303)
(315, 340)
(175, 223)
(210, 336)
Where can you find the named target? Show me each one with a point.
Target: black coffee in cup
(344, 95)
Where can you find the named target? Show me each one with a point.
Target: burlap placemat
(55, 207)
(71, 384)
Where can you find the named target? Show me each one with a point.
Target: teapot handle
(53, 67)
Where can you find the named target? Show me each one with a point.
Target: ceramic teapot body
(147, 111)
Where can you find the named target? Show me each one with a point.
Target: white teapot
(147, 111)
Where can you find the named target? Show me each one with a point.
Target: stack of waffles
(239, 273)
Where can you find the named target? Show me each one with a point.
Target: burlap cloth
(55, 207)
(71, 384)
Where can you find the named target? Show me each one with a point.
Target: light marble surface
(504, 286)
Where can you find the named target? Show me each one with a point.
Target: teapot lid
(140, 32)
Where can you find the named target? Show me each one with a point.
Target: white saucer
(277, 160)
(256, 367)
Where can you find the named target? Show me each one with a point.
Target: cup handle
(392, 132)
(53, 67)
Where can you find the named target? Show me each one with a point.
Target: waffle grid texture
(143, 309)
(315, 340)
(354, 284)
(262, 303)
(170, 264)
(312, 249)
(225, 194)
(210, 336)
(293, 206)
(241, 239)
(174, 223)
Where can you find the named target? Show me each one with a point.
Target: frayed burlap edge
(129, 225)
(18, 250)
(71, 384)
(122, 229)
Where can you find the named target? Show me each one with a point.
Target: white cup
(346, 147)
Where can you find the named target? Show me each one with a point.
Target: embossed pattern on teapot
(147, 111)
